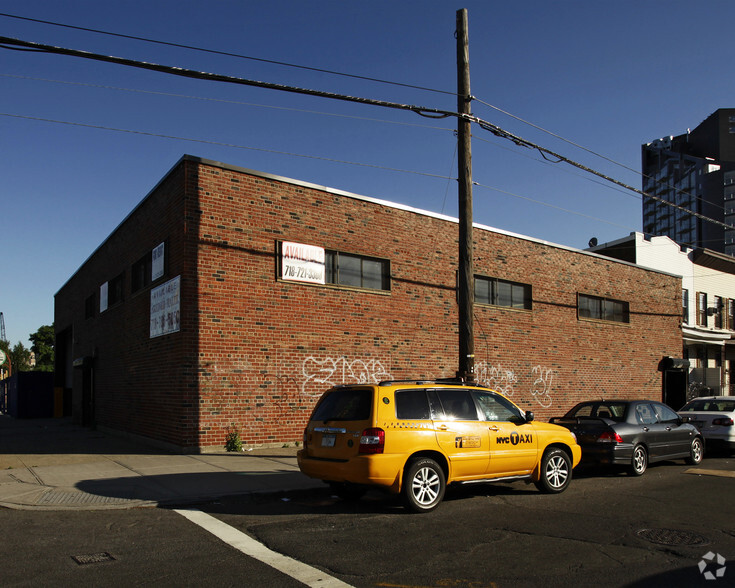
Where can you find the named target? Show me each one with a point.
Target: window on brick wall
(685, 306)
(602, 309)
(357, 271)
(502, 293)
(148, 268)
(111, 293)
(702, 309)
(140, 274)
(89, 306)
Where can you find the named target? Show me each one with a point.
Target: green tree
(20, 357)
(43, 347)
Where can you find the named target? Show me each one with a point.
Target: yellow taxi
(415, 437)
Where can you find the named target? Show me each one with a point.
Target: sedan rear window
(353, 404)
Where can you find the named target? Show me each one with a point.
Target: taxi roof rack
(453, 381)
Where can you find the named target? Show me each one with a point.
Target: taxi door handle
(442, 427)
(494, 428)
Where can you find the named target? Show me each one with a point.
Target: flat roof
(346, 194)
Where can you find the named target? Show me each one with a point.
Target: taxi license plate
(328, 440)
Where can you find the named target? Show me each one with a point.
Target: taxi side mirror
(529, 416)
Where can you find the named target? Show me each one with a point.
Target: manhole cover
(92, 558)
(671, 537)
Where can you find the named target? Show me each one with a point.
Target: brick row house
(233, 298)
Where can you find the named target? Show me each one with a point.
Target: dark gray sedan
(631, 433)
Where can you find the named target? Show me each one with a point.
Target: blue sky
(606, 75)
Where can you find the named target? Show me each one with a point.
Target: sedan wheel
(696, 452)
(640, 461)
(423, 485)
(556, 471)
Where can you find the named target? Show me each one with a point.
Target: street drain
(92, 558)
(671, 537)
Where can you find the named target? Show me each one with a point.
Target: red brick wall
(255, 352)
(269, 347)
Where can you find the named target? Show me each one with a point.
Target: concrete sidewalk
(53, 464)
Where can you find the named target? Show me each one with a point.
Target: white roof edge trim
(337, 192)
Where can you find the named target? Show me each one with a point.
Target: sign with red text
(302, 263)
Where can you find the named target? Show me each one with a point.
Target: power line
(227, 54)
(421, 110)
(595, 153)
(200, 75)
(223, 101)
(221, 144)
(548, 205)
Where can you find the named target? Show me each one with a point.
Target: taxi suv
(414, 437)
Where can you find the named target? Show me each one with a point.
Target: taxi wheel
(556, 471)
(639, 463)
(696, 452)
(423, 485)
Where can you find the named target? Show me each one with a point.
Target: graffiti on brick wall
(496, 377)
(541, 389)
(506, 381)
(331, 371)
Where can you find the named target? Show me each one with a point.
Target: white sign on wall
(157, 262)
(302, 263)
(166, 308)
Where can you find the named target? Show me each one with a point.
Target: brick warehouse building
(230, 297)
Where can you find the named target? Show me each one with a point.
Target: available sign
(302, 263)
(166, 308)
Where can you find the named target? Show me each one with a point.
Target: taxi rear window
(353, 404)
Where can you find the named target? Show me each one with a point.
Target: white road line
(249, 546)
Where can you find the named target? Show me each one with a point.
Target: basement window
(602, 309)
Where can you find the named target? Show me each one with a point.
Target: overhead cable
(232, 145)
(228, 54)
(200, 75)
(421, 110)
(592, 152)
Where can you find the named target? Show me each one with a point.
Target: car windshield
(606, 410)
(351, 404)
(710, 405)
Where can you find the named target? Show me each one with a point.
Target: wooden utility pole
(466, 274)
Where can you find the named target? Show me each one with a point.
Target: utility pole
(466, 274)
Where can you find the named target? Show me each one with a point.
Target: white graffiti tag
(340, 370)
(541, 388)
(496, 377)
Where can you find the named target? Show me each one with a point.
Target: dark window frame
(600, 308)
(341, 270)
(521, 295)
(702, 309)
(90, 306)
(115, 290)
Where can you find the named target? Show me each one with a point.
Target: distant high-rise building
(696, 172)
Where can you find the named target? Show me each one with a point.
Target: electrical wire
(200, 75)
(423, 111)
(596, 154)
(219, 143)
(223, 101)
(548, 205)
(228, 54)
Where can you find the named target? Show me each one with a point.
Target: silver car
(714, 416)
